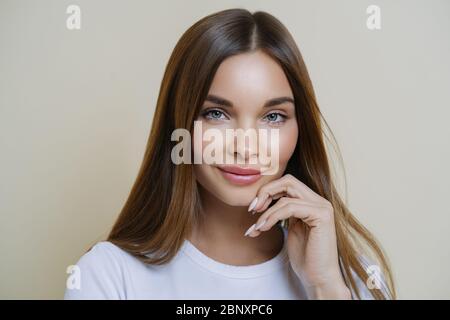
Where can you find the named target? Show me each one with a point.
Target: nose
(242, 144)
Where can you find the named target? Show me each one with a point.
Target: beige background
(76, 107)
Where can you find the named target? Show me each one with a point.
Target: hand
(311, 239)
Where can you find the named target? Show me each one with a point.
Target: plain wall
(76, 108)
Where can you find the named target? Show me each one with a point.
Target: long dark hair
(164, 201)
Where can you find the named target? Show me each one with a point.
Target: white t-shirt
(108, 272)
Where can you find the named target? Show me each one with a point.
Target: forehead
(250, 79)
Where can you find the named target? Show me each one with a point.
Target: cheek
(287, 143)
(207, 139)
(282, 147)
(201, 175)
(204, 172)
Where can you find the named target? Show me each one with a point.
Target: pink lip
(239, 175)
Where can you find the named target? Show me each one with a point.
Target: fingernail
(253, 204)
(260, 224)
(249, 230)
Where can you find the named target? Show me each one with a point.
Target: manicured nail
(259, 225)
(249, 230)
(253, 204)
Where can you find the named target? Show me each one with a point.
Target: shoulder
(103, 255)
(98, 274)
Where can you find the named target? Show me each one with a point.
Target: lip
(239, 170)
(240, 175)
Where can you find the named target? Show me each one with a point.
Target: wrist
(329, 292)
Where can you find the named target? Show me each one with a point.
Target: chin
(238, 197)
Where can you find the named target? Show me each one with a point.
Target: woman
(228, 231)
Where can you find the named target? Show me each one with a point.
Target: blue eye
(213, 114)
(216, 114)
(275, 117)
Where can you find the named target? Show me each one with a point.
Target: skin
(248, 81)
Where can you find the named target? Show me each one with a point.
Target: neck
(220, 234)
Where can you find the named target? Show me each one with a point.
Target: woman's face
(238, 99)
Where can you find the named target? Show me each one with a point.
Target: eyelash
(207, 112)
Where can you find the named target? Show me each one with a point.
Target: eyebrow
(269, 103)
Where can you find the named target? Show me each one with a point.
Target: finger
(266, 195)
(263, 200)
(263, 221)
(254, 233)
(265, 204)
(283, 201)
(253, 230)
(287, 185)
(310, 213)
